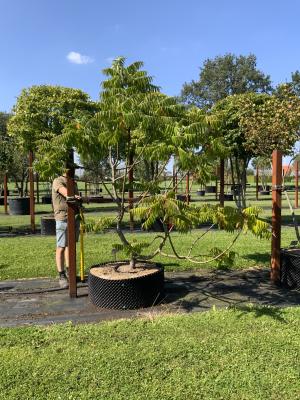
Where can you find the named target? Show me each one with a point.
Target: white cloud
(77, 58)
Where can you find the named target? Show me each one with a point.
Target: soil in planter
(119, 271)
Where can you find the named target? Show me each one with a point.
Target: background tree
(271, 124)
(40, 121)
(295, 83)
(230, 111)
(13, 160)
(224, 76)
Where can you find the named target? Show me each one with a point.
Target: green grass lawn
(33, 256)
(249, 354)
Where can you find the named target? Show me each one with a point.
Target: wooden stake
(31, 192)
(296, 183)
(130, 190)
(276, 215)
(256, 183)
(222, 181)
(71, 229)
(37, 188)
(187, 189)
(5, 193)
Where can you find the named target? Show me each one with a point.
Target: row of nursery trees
(134, 127)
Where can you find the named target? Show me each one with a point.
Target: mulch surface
(40, 302)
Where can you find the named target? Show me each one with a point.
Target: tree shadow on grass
(260, 311)
(241, 289)
(262, 258)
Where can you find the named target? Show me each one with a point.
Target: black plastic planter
(265, 192)
(182, 197)
(139, 292)
(290, 268)
(210, 189)
(48, 225)
(19, 205)
(157, 226)
(228, 197)
(47, 199)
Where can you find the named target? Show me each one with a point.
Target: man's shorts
(62, 232)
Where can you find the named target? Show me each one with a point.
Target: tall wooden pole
(187, 189)
(5, 193)
(71, 228)
(130, 190)
(217, 183)
(296, 183)
(37, 188)
(173, 178)
(256, 183)
(276, 215)
(31, 192)
(222, 181)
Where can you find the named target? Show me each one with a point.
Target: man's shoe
(63, 282)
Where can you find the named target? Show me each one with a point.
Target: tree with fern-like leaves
(136, 122)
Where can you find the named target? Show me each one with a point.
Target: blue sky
(173, 38)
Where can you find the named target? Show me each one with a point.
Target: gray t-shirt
(60, 206)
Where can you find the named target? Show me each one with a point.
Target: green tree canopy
(40, 122)
(272, 123)
(224, 76)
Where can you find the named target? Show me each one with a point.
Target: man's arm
(63, 191)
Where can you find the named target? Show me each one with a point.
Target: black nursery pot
(210, 189)
(228, 197)
(19, 205)
(140, 292)
(48, 225)
(265, 192)
(290, 268)
(47, 199)
(182, 197)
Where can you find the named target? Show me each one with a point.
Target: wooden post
(5, 193)
(217, 184)
(296, 183)
(174, 178)
(187, 189)
(37, 188)
(31, 192)
(222, 181)
(71, 229)
(130, 190)
(276, 215)
(256, 183)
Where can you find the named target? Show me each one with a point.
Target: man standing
(60, 207)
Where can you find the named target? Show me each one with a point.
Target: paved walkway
(24, 302)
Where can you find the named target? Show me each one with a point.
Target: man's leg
(61, 243)
(60, 259)
(67, 261)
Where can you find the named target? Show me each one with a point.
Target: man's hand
(74, 199)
